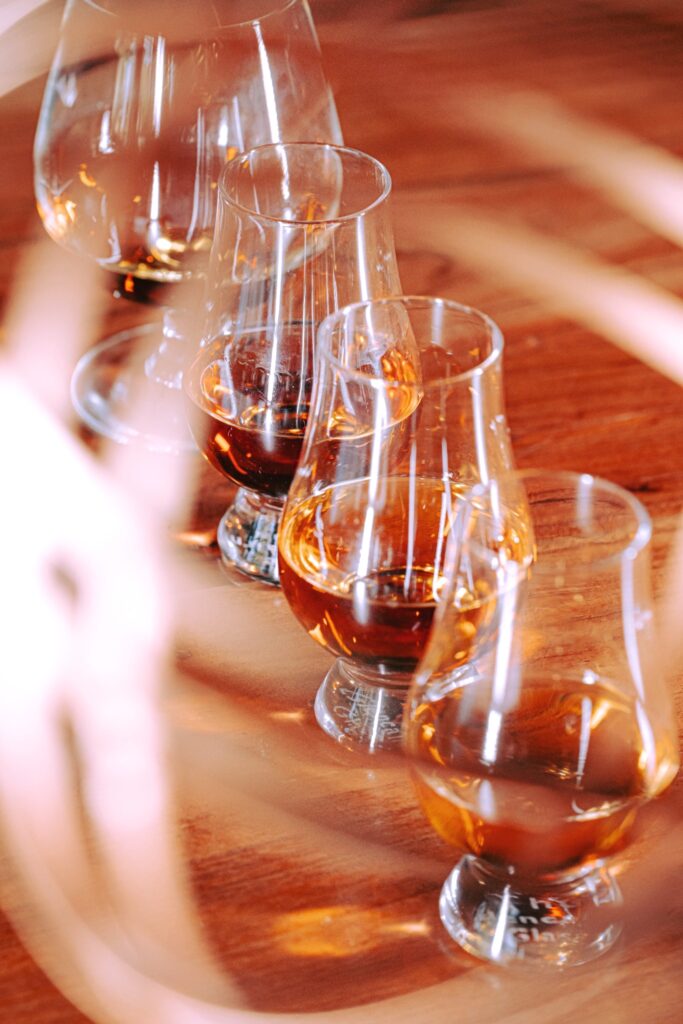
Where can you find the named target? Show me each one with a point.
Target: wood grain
(322, 896)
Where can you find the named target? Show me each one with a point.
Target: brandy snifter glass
(143, 106)
(406, 415)
(533, 758)
(301, 229)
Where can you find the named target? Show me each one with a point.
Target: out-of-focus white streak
(642, 179)
(28, 36)
(13, 11)
(85, 609)
(638, 316)
(46, 331)
(68, 648)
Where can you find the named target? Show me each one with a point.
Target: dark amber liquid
(149, 291)
(379, 613)
(248, 419)
(144, 290)
(552, 785)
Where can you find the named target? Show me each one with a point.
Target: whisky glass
(406, 415)
(301, 229)
(533, 758)
(143, 106)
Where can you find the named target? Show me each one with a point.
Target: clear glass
(533, 758)
(301, 229)
(143, 106)
(406, 415)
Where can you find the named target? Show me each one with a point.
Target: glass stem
(247, 535)
(361, 708)
(166, 364)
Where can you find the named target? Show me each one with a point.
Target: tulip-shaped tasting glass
(302, 228)
(406, 415)
(144, 105)
(533, 758)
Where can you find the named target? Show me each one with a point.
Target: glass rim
(416, 301)
(277, 8)
(639, 538)
(347, 151)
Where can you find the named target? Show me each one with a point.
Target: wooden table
(345, 920)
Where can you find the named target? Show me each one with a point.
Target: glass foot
(115, 398)
(247, 536)
(360, 711)
(565, 923)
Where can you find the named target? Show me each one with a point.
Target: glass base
(361, 710)
(247, 536)
(563, 924)
(114, 395)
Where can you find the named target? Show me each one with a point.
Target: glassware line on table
(406, 414)
(140, 113)
(301, 228)
(533, 758)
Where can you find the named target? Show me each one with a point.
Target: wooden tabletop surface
(445, 94)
